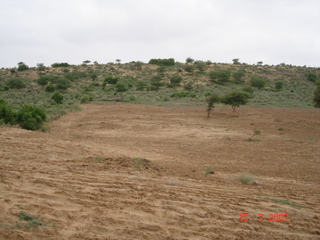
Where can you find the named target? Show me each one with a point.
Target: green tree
(236, 98)
(175, 80)
(6, 113)
(258, 82)
(200, 65)
(121, 87)
(236, 61)
(189, 60)
(141, 85)
(312, 77)
(30, 117)
(43, 81)
(211, 100)
(220, 75)
(62, 84)
(41, 67)
(111, 80)
(15, 83)
(22, 66)
(50, 88)
(57, 97)
(189, 68)
(239, 75)
(279, 85)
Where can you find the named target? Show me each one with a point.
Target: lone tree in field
(236, 98)
(212, 99)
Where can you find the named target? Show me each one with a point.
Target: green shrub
(121, 87)
(141, 85)
(175, 80)
(22, 66)
(258, 82)
(6, 113)
(86, 99)
(183, 95)
(163, 62)
(50, 88)
(60, 65)
(62, 84)
(43, 81)
(30, 117)
(220, 75)
(189, 68)
(247, 89)
(312, 77)
(316, 97)
(239, 75)
(15, 83)
(279, 85)
(57, 97)
(111, 80)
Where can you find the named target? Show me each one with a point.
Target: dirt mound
(118, 171)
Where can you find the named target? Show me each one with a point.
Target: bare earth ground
(81, 182)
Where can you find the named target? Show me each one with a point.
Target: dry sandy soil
(116, 171)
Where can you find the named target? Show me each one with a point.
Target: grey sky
(48, 31)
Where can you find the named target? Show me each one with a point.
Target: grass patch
(286, 202)
(208, 171)
(246, 178)
(139, 163)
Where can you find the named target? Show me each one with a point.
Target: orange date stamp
(269, 217)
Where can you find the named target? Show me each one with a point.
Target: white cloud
(272, 31)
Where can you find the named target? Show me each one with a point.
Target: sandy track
(80, 177)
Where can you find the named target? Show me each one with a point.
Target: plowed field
(117, 171)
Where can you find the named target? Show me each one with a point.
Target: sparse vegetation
(246, 178)
(255, 133)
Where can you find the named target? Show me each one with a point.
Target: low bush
(183, 95)
(31, 117)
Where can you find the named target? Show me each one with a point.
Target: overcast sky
(49, 31)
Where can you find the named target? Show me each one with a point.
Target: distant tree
(260, 63)
(60, 65)
(220, 75)
(141, 85)
(86, 62)
(163, 62)
(258, 82)
(189, 68)
(279, 85)
(200, 65)
(121, 87)
(312, 77)
(239, 75)
(62, 84)
(57, 97)
(93, 76)
(50, 88)
(236, 98)
(111, 80)
(118, 61)
(189, 60)
(247, 89)
(22, 66)
(15, 83)
(236, 61)
(175, 80)
(40, 67)
(43, 81)
(211, 100)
